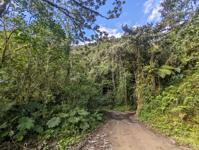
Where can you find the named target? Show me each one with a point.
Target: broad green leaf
(84, 126)
(53, 122)
(25, 123)
(38, 129)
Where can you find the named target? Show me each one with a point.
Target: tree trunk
(139, 81)
(153, 78)
(139, 92)
(126, 93)
(113, 81)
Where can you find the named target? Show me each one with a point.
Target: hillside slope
(175, 111)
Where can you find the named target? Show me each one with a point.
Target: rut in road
(124, 132)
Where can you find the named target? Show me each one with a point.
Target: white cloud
(136, 25)
(85, 43)
(152, 9)
(148, 6)
(111, 32)
(155, 13)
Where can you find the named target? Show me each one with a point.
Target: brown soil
(124, 132)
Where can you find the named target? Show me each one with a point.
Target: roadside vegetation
(53, 91)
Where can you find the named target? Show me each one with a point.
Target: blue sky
(135, 13)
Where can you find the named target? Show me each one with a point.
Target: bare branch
(91, 10)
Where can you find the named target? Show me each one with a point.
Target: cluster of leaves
(76, 15)
(50, 91)
(41, 85)
(58, 121)
(108, 65)
(146, 60)
(130, 69)
(175, 110)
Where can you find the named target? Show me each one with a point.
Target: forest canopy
(74, 15)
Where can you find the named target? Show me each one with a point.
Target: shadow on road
(129, 116)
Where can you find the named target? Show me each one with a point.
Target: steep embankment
(175, 111)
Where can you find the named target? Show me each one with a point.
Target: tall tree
(76, 14)
(176, 12)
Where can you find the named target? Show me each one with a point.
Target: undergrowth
(63, 126)
(175, 111)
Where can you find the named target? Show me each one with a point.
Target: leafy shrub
(67, 121)
(175, 110)
(53, 122)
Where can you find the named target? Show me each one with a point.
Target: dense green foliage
(53, 91)
(43, 90)
(175, 110)
(76, 15)
(154, 71)
(45, 93)
(107, 65)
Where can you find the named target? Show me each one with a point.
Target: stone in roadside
(92, 142)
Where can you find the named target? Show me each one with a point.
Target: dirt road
(123, 132)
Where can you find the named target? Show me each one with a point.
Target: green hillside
(175, 110)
